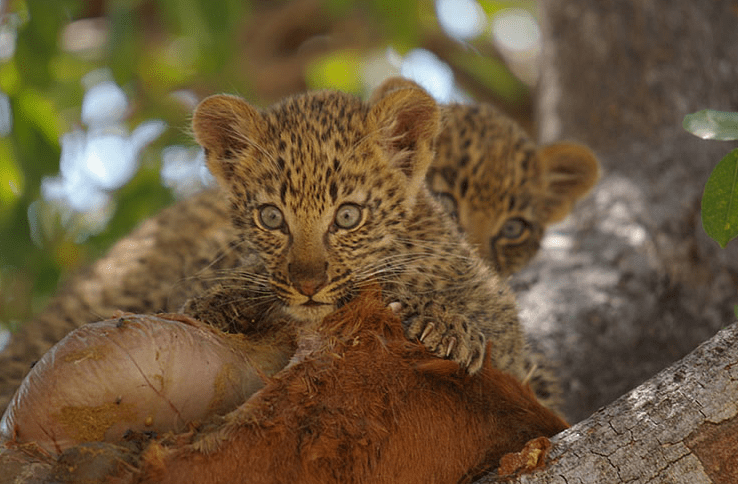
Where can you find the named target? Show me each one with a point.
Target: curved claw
(428, 330)
(451, 345)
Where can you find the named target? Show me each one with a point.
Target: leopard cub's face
(500, 187)
(319, 185)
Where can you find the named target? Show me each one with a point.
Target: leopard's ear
(570, 171)
(408, 121)
(392, 84)
(224, 125)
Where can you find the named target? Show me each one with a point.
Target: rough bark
(631, 283)
(681, 426)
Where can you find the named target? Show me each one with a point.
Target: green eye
(348, 216)
(514, 228)
(270, 217)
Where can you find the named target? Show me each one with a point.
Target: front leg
(445, 333)
(233, 309)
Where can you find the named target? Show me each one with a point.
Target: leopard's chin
(310, 311)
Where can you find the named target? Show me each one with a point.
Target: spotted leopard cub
(502, 188)
(328, 192)
(498, 185)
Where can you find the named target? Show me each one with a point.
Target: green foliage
(506, 85)
(720, 198)
(154, 49)
(338, 70)
(711, 124)
(720, 201)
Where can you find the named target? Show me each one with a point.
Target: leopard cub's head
(501, 188)
(319, 185)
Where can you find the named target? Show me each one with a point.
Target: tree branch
(681, 426)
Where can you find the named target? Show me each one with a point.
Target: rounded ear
(392, 84)
(225, 125)
(408, 121)
(570, 171)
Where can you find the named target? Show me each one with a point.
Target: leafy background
(167, 54)
(720, 198)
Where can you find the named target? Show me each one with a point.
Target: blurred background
(95, 99)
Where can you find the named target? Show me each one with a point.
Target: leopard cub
(500, 187)
(328, 193)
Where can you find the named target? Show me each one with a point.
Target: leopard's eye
(513, 229)
(448, 202)
(270, 217)
(348, 216)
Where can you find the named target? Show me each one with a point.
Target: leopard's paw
(447, 335)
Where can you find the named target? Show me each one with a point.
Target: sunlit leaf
(338, 70)
(711, 124)
(720, 201)
(9, 78)
(40, 109)
(491, 7)
(69, 69)
(11, 178)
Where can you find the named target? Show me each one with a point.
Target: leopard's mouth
(310, 310)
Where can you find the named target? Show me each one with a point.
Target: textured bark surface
(681, 426)
(631, 283)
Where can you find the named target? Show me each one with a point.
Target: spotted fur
(502, 188)
(293, 171)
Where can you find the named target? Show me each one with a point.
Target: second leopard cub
(502, 189)
(327, 192)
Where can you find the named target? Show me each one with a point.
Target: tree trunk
(681, 426)
(631, 283)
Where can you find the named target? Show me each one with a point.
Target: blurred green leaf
(400, 21)
(37, 40)
(9, 78)
(494, 74)
(711, 124)
(720, 201)
(41, 112)
(36, 148)
(11, 179)
(124, 44)
(69, 69)
(338, 70)
(491, 7)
